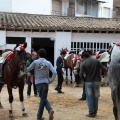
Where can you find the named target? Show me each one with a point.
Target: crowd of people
(38, 75)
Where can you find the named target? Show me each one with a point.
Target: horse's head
(20, 53)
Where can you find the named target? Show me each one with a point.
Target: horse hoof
(24, 115)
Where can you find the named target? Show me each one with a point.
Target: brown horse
(68, 63)
(11, 70)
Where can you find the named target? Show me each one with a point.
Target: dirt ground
(66, 106)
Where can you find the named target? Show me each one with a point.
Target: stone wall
(116, 8)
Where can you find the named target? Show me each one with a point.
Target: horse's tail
(118, 99)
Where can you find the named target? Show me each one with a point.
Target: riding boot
(56, 88)
(59, 90)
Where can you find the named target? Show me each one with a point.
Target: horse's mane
(6, 50)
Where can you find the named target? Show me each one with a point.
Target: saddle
(104, 57)
(5, 56)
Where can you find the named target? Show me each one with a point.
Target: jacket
(59, 64)
(90, 70)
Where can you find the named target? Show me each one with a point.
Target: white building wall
(2, 39)
(44, 6)
(108, 4)
(5, 5)
(62, 40)
(95, 37)
(32, 6)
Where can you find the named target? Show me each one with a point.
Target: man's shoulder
(59, 58)
(94, 60)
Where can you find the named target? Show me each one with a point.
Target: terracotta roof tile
(31, 21)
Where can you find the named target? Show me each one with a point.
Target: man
(59, 64)
(41, 67)
(30, 76)
(84, 94)
(90, 73)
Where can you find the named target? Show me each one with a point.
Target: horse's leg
(66, 69)
(71, 75)
(21, 97)
(10, 101)
(1, 85)
(115, 112)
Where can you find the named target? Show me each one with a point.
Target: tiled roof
(31, 21)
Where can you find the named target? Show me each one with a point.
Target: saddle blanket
(4, 56)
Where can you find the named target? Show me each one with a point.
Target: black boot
(56, 88)
(59, 91)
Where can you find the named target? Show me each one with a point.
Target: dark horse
(114, 80)
(11, 70)
(68, 64)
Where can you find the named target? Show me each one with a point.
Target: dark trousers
(60, 81)
(29, 87)
(84, 94)
(77, 79)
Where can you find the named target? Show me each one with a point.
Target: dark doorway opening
(47, 44)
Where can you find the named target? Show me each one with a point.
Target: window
(15, 40)
(94, 46)
(106, 12)
(87, 7)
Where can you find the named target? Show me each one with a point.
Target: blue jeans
(43, 92)
(92, 95)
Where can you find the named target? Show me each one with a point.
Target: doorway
(47, 44)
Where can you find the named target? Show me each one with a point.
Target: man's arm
(103, 68)
(31, 66)
(82, 72)
(52, 69)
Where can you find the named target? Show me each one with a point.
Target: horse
(114, 79)
(68, 64)
(14, 64)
